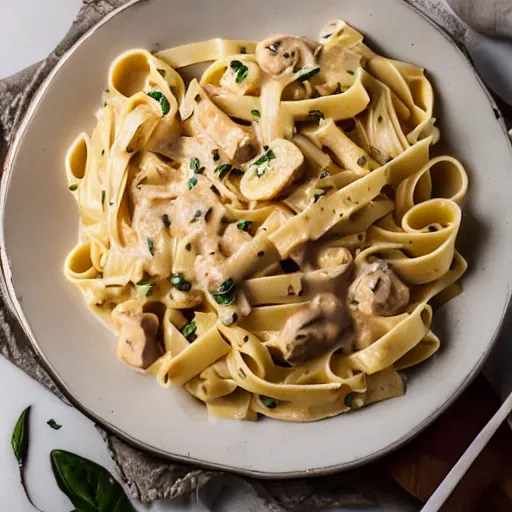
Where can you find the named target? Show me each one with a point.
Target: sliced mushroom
(137, 345)
(377, 290)
(278, 53)
(314, 330)
(270, 172)
(238, 142)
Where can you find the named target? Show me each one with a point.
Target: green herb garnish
(267, 401)
(317, 115)
(324, 174)
(192, 182)
(103, 198)
(196, 216)
(243, 50)
(338, 89)
(145, 288)
(52, 423)
(72, 186)
(162, 72)
(19, 443)
(195, 165)
(226, 293)
(308, 73)
(244, 225)
(180, 283)
(215, 154)
(164, 102)
(317, 194)
(223, 170)
(151, 246)
(350, 72)
(89, 486)
(362, 160)
(255, 113)
(189, 331)
(239, 69)
(166, 220)
(262, 163)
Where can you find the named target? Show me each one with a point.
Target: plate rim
(14, 306)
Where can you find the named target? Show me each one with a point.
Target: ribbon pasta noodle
(274, 236)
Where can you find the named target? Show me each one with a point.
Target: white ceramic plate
(39, 220)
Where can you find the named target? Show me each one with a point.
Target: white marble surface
(30, 30)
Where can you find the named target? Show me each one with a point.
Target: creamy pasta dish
(273, 236)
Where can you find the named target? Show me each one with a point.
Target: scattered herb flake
(162, 72)
(317, 194)
(180, 283)
(338, 89)
(195, 164)
(270, 403)
(317, 115)
(261, 163)
(226, 293)
(255, 113)
(196, 216)
(151, 246)
(192, 182)
(72, 186)
(244, 225)
(350, 72)
(307, 73)
(145, 288)
(52, 423)
(166, 220)
(362, 160)
(324, 174)
(223, 170)
(102, 197)
(189, 331)
(243, 50)
(164, 102)
(239, 69)
(215, 154)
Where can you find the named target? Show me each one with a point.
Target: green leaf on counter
(52, 423)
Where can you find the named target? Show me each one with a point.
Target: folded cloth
(148, 478)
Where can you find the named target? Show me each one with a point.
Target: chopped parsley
(180, 283)
(243, 50)
(269, 402)
(166, 220)
(244, 225)
(162, 72)
(52, 423)
(261, 163)
(350, 72)
(317, 115)
(151, 246)
(317, 194)
(255, 113)
(215, 154)
(189, 331)
(239, 69)
(307, 73)
(72, 186)
(324, 174)
(164, 102)
(226, 293)
(196, 216)
(145, 288)
(192, 182)
(223, 170)
(195, 165)
(362, 160)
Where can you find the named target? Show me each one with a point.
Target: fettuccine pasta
(271, 236)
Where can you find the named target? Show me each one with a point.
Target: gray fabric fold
(148, 478)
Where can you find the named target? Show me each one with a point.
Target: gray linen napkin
(148, 478)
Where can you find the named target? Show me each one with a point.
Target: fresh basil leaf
(189, 331)
(52, 423)
(90, 487)
(19, 439)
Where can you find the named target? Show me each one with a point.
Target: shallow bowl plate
(39, 226)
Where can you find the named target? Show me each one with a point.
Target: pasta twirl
(272, 237)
